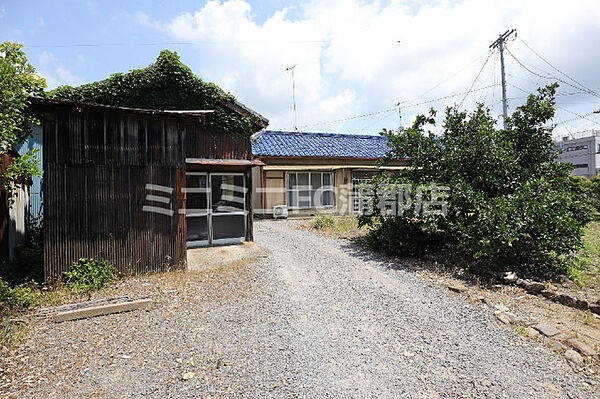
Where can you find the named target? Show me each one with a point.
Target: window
(577, 148)
(580, 165)
(309, 190)
(356, 184)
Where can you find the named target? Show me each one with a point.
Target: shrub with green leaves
(18, 81)
(322, 222)
(17, 299)
(510, 201)
(90, 274)
(14, 301)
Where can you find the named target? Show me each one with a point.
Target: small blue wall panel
(35, 193)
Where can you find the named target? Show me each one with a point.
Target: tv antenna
(294, 95)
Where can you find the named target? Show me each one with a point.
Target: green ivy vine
(165, 84)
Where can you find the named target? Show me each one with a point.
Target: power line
(350, 118)
(550, 77)
(122, 44)
(577, 118)
(556, 69)
(580, 116)
(449, 96)
(446, 79)
(564, 109)
(395, 108)
(476, 77)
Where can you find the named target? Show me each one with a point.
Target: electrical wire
(475, 80)
(564, 109)
(574, 119)
(580, 116)
(547, 77)
(350, 117)
(445, 80)
(395, 108)
(175, 43)
(449, 96)
(556, 69)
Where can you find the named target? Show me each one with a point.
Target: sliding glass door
(215, 208)
(228, 207)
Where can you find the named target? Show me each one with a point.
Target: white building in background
(582, 149)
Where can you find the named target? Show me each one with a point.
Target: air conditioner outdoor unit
(280, 211)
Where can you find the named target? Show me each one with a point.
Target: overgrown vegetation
(18, 81)
(14, 301)
(166, 84)
(323, 222)
(510, 203)
(90, 275)
(337, 226)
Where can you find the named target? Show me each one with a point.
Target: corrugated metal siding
(97, 166)
(35, 190)
(18, 218)
(5, 249)
(202, 143)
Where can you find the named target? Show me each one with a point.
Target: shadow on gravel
(440, 264)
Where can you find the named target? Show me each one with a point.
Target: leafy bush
(576, 267)
(509, 201)
(403, 236)
(322, 222)
(18, 81)
(90, 274)
(17, 299)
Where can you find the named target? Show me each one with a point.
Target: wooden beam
(102, 310)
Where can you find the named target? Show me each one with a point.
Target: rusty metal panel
(201, 143)
(97, 164)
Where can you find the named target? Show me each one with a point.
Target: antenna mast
(294, 95)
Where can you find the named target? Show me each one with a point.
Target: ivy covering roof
(167, 84)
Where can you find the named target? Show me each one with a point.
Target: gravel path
(361, 328)
(315, 319)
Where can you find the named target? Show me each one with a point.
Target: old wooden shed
(138, 186)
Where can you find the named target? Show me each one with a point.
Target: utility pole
(294, 95)
(499, 43)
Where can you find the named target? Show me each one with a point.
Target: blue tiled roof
(297, 144)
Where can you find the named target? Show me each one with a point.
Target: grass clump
(90, 275)
(337, 226)
(324, 222)
(14, 302)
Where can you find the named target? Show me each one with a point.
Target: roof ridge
(322, 134)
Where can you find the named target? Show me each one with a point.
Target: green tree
(510, 201)
(18, 81)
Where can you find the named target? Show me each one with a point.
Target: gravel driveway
(315, 319)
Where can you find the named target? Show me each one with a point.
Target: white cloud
(55, 73)
(46, 58)
(360, 67)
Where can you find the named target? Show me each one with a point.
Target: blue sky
(355, 59)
